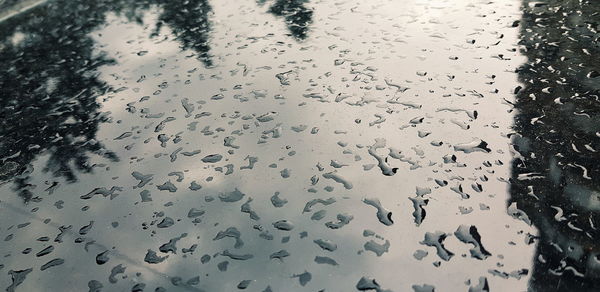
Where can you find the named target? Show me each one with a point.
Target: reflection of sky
(250, 37)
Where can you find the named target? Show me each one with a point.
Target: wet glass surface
(300, 146)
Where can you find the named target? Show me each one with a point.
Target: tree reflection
(190, 24)
(297, 16)
(49, 82)
(48, 89)
(189, 21)
(49, 77)
(556, 181)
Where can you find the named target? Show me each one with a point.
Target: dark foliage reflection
(297, 16)
(189, 21)
(49, 77)
(48, 89)
(555, 181)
